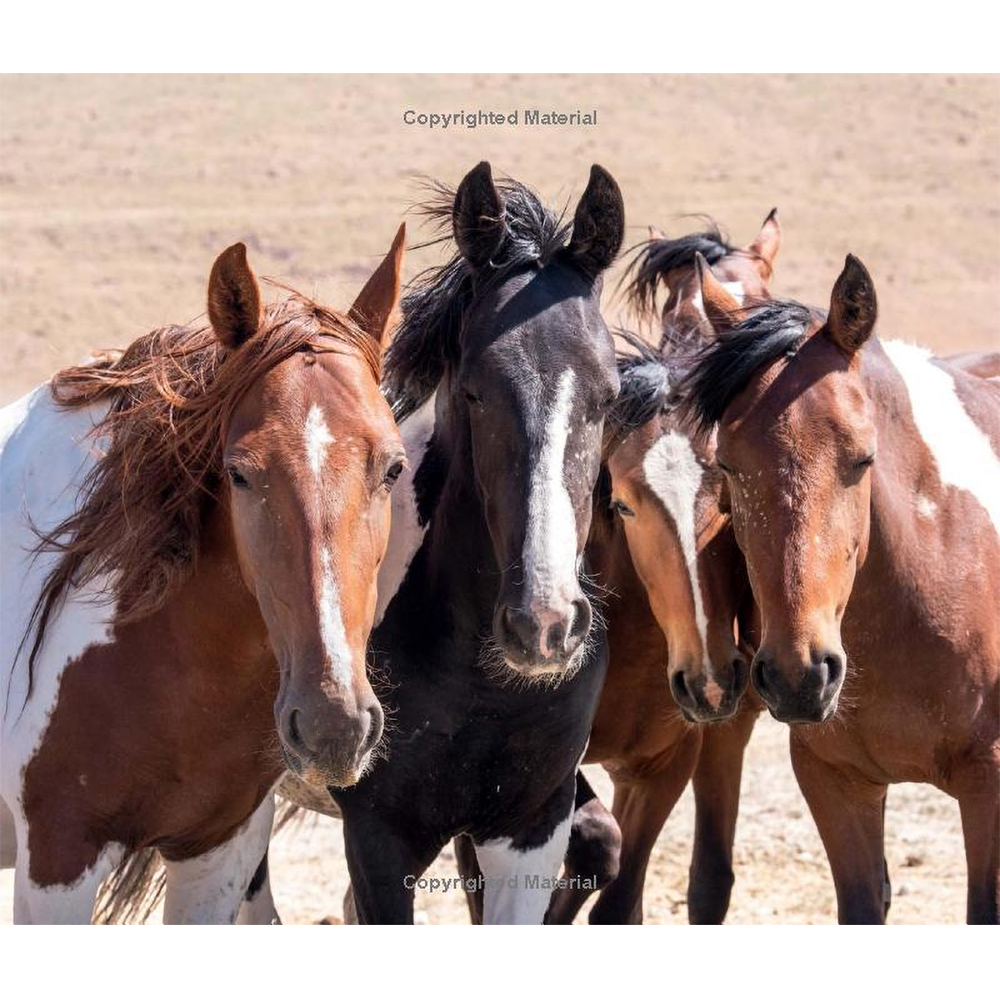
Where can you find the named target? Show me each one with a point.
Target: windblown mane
(654, 259)
(724, 366)
(433, 306)
(171, 394)
(648, 386)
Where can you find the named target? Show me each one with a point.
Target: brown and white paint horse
(194, 528)
(864, 482)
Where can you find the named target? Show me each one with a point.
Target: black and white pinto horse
(488, 651)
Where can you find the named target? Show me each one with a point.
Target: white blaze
(674, 474)
(331, 624)
(550, 545)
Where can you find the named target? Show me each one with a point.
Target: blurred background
(117, 193)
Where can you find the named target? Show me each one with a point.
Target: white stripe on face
(550, 545)
(318, 437)
(964, 456)
(331, 625)
(673, 473)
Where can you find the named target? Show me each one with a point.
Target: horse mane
(171, 395)
(724, 366)
(427, 339)
(654, 259)
(648, 386)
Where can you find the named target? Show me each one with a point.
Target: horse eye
(393, 473)
(471, 397)
(865, 462)
(622, 508)
(237, 478)
(723, 466)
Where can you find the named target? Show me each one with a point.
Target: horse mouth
(321, 774)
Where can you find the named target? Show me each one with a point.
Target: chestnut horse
(195, 527)
(865, 492)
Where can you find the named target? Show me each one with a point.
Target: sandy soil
(115, 195)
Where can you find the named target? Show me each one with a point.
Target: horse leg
(468, 869)
(384, 867)
(209, 888)
(980, 808)
(641, 806)
(58, 904)
(258, 903)
(717, 801)
(593, 855)
(521, 870)
(848, 811)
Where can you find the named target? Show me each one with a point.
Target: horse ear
(722, 309)
(768, 239)
(373, 308)
(234, 307)
(853, 306)
(477, 217)
(656, 234)
(599, 223)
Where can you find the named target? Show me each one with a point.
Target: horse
(195, 525)
(864, 485)
(501, 373)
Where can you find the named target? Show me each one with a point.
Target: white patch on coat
(46, 452)
(510, 895)
(209, 889)
(318, 439)
(925, 506)
(57, 904)
(550, 558)
(674, 474)
(735, 289)
(406, 534)
(963, 453)
(331, 623)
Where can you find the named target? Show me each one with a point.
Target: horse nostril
(679, 688)
(757, 674)
(833, 668)
(293, 733)
(376, 723)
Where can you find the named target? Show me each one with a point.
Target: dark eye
(393, 473)
(865, 462)
(237, 478)
(722, 465)
(471, 397)
(622, 508)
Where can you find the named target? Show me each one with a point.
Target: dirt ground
(117, 193)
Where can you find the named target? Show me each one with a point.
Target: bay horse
(864, 483)
(502, 371)
(662, 543)
(195, 527)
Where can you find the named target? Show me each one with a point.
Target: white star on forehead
(317, 436)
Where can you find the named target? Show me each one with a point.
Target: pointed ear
(768, 239)
(373, 308)
(656, 234)
(722, 309)
(477, 218)
(599, 223)
(234, 307)
(853, 307)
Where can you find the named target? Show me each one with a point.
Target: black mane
(647, 388)
(723, 367)
(654, 259)
(436, 300)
